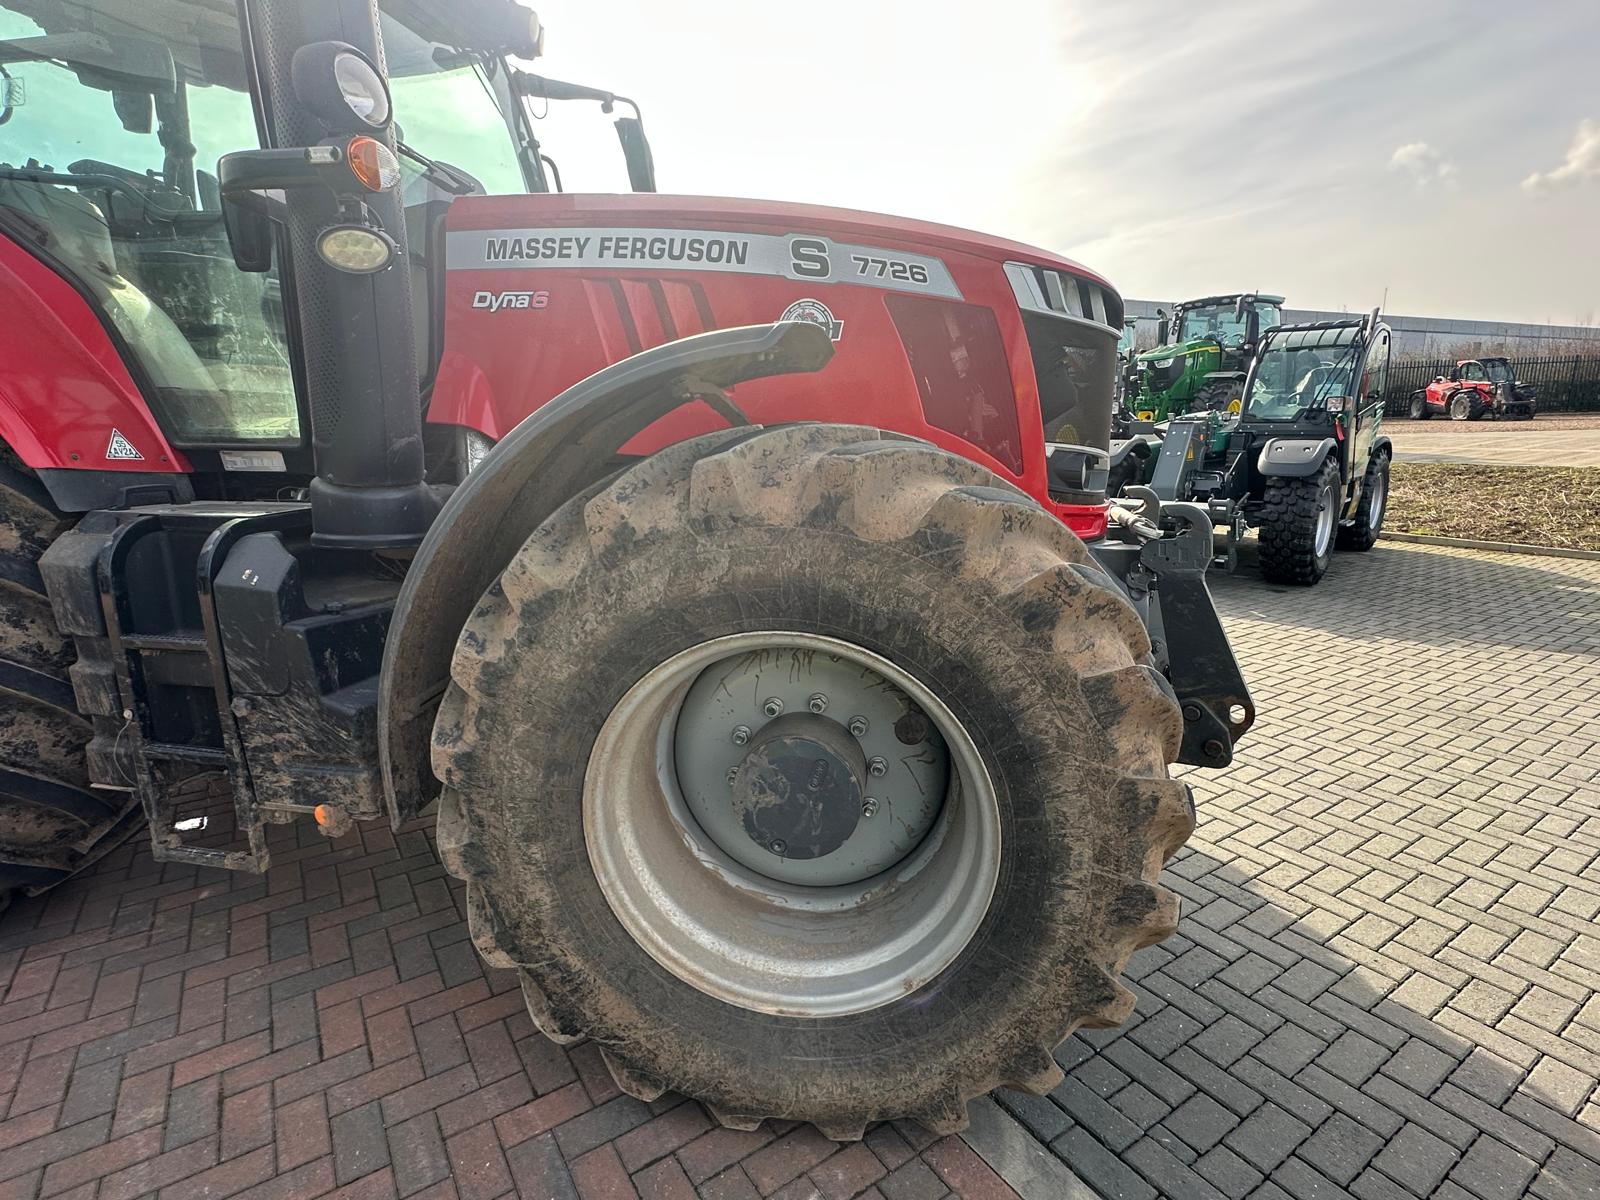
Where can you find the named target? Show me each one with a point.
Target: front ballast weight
(1160, 550)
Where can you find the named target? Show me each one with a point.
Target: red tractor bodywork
(541, 291)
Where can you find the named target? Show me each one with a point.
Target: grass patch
(1535, 506)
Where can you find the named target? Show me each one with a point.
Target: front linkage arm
(1160, 552)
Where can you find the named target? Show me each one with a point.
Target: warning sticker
(802, 257)
(119, 447)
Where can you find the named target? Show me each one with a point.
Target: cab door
(1368, 417)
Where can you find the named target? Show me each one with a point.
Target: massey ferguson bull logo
(815, 312)
(496, 301)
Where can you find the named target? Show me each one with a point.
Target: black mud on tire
(1289, 526)
(50, 822)
(906, 551)
(1362, 532)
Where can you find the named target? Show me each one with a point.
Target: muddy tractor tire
(1298, 520)
(814, 773)
(1417, 406)
(1464, 406)
(1362, 532)
(51, 823)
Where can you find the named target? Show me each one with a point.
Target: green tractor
(1204, 365)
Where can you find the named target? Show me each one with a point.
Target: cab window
(113, 127)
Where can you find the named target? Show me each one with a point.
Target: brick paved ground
(1387, 983)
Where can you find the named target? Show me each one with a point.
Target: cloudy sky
(1447, 150)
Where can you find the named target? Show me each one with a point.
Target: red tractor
(1476, 387)
(797, 713)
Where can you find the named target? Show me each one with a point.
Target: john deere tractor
(1203, 365)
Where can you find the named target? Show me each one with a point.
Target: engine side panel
(67, 400)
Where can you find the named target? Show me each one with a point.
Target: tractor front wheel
(1298, 519)
(1363, 532)
(1464, 406)
(814, 773)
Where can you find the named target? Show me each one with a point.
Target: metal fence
(1566, 383)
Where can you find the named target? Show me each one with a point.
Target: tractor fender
(1293, 457)
(555, 452)
(1382, 444)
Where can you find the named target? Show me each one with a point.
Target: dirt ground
(1542, 506)
(1567, 439)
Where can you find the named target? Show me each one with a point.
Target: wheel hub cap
(799, 790)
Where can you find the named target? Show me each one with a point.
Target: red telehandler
(798, 716)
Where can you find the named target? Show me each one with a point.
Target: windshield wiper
(457, 183)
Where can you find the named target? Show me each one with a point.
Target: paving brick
(600, 1175)
(225, 1179)
(1340, 1148)
(1416, 1159)
(847, 1173)
(774, 1165)
(1201, 1122)
(912, 1180)
(1494, 1171)
(538, 1116)
(538, 1169)
(664, 1181)
(1267, 1137)
(964, 1173)
(732, 1184)
(599, 1125)
(1352, 1057)
(359, 1144)
(712, 1152)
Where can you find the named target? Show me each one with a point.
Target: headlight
(359, 249)
(1164, 362)
(340, 86)
(362, 88)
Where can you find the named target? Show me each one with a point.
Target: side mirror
(636, 153)
(251, 232)
(1252, 328)
(1162, 330)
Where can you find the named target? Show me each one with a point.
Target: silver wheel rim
(768, 944)
(1324, 533)
(1379, 499)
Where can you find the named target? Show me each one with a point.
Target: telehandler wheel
(1417, 409)
(1363, 533)
(1298, 520)
(812, 772)
(50, 822)
(1463, 407)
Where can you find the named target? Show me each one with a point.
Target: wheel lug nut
(877, 767)
(869, 806)
(741, 734)
(818, 703)
(772, 707)
(858, 726)
(777, 845)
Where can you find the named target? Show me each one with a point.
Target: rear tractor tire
(1362, 533)
(1299, 516)
(1417, 408)
(51, 823)
(814, 773)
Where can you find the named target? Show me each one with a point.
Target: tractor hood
(978, 343)
(1163, 353)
